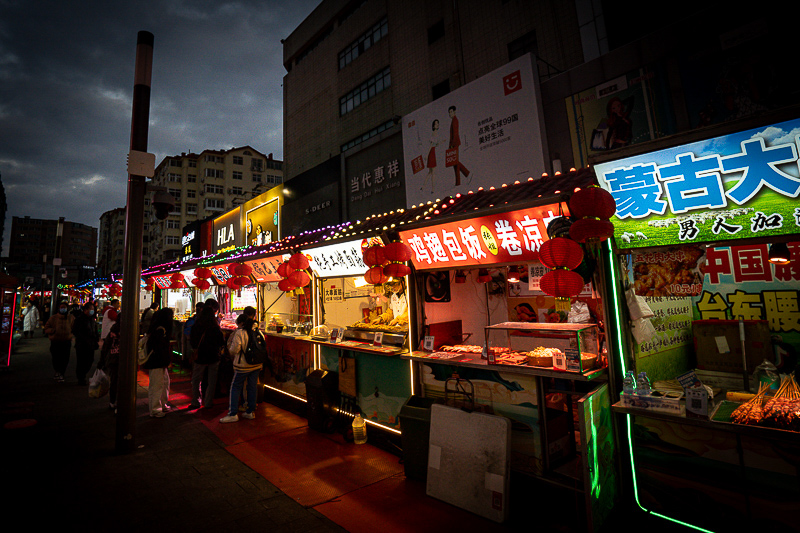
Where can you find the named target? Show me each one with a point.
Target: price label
(378, 339)
(427, 344)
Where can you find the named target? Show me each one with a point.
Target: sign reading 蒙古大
(732, 187)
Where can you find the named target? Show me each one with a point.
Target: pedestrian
(109, 362)
(147, 316)
(157, 365)
(59, 330)
(30, 320)
(109, 317)
(245, 375)
(44, 312)
(84, 329)
(208, 343)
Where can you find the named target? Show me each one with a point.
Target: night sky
(66, 84)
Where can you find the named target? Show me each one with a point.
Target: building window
(441, 89)
(363, 43)
(310, 48)
(237, 175)
(257, 164)
(213, 173)
(215, 205)
(191, 178)
(173, 224)
(176, 193)
(174, 178)
(192, 163)
(257, 177)
(175, 162)
(436, 32)
(191, 209)
(213, 159)
(176, 209)
(523, 45)
(172, 240)
(236, 191)
(368, 135)
(191, 193)
(365, 91)
(238, 160)
(214, 189)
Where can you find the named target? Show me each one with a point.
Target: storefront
(707, 259)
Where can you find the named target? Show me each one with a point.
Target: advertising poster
(262, 223)
(674, 271)
(485, 133)
(737, 186)
(618, 113)
(740, 282)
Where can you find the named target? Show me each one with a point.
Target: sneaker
(158, 414)
(229, 418)
(249, 416)
(243, 407)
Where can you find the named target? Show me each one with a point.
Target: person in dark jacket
(59, 330)
(207, 340)
(157, 364)
(109, 362)
(84, 329)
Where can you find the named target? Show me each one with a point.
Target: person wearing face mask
(59, 330)
(84, 329)
(397, 312)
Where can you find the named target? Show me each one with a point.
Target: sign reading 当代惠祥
(736, 186)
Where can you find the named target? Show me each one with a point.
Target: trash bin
(322, 395)
(415, 428)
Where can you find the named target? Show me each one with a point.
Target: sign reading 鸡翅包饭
(732, 187)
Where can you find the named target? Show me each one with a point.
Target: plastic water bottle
(359, 430)
(629, 383)
(643, 387)
(767, 374)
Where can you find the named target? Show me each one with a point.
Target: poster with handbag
(347, 376)
(417, 164)
(451, 157)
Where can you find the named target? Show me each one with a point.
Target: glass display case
(289, 324)
(567, 347)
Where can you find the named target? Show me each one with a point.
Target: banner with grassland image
(738, 186)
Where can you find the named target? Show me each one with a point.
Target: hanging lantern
(561, 253)
(174, 285)
(205, 285)
(396, 270)
(299, 278)
(202, 272)
(374, 256)
(561, 283)
(375, 276)
(197, 282)
(298, 261)
(242, 281)
(592, 202)
(284, 270)
(285, 285)
(591, 230)
(398, 252)
(177, 276)
(483, 276)
(239, 269)
(231, 284)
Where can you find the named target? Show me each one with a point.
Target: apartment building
(204, 185)
(111, 242)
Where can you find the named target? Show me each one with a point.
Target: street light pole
(140, 165)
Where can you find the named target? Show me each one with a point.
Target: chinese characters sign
(674, 271)
(493, 239)
(265, 269)
(742, 283)
(732, 187)
(337, 260)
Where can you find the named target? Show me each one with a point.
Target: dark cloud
(66, 80)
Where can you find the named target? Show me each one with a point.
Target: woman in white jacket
(31, 314)
(243, 373)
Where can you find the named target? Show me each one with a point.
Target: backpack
(142, 352)
(256, 351)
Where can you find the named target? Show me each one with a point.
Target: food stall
(492, 340)
(8, 297)
(708, 261)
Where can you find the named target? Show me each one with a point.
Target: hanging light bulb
(513, 274)
(779, 254)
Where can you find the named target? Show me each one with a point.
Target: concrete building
(111, 243)
(204, 185)
(32, 248)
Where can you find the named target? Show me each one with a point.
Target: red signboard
(266, 268)
(511, 237)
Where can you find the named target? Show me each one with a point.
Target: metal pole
(134, 221)
(56, 265)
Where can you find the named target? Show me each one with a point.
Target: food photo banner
(732, 187)
(493, 239)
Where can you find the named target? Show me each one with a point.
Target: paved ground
(64, 470)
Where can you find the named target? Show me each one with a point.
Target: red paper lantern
(285, 285)
(396, 270)
(398, 252)
(374, 256)
(205, 285)
(483, 275)
(242, 281)
(591, 230)
(175, 285)
(148, 288)
(202, 272)
(375, 276)
(231, 284)
(197, 281)
(592, 202)
(177, 276)
(298, 261)
(284, 270)
(299, 278)
(561, 252)
(561, 283)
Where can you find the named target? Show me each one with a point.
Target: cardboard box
(664, 402)
(718, 348)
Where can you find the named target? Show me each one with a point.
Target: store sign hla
(266, 269)
(227, 233)
(493, 239)
(732, 187)
(343, 259)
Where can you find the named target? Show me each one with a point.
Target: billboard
(485, 133)
(731, 187)
(375, 181)
(262, 223)
(227, 233)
